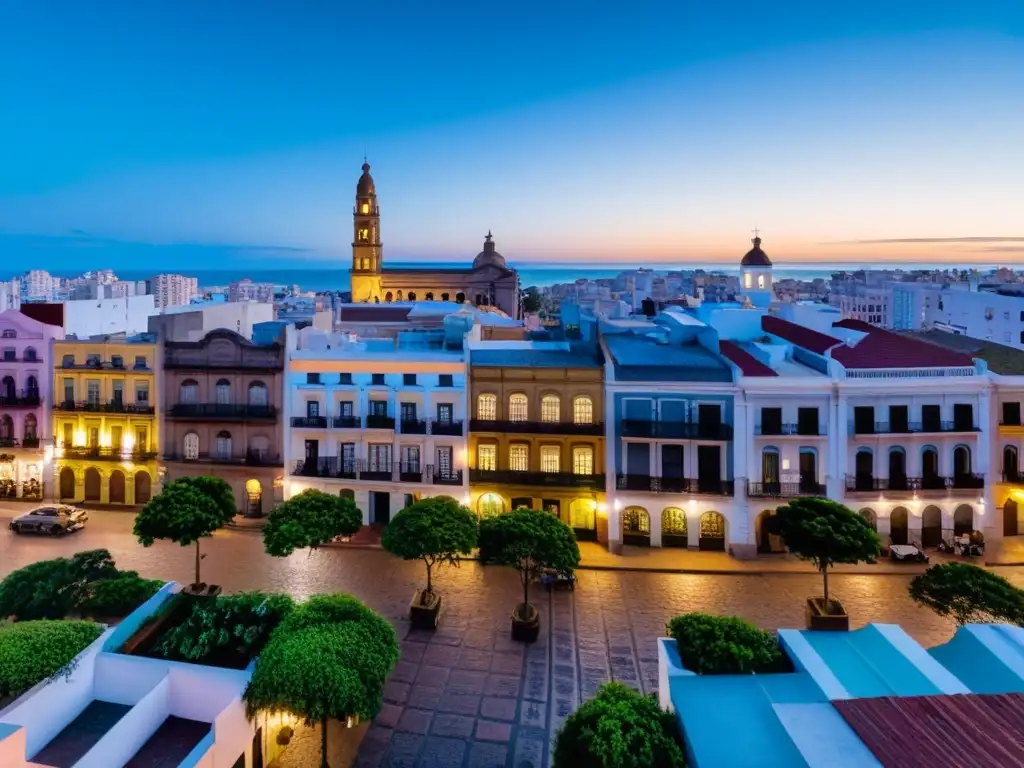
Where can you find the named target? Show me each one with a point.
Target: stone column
(991, 517)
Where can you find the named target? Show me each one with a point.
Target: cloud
(1004, 249)
(934, 240)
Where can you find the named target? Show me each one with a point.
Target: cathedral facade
(489, 281)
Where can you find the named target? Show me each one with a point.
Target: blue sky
(138, 133)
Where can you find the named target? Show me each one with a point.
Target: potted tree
(437, 531)
(969, 594)
(309, 520)
(826, 532)
(328, 660)
(185, 511)
(724, 645)
(533, 543)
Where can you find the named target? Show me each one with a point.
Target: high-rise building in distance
(173, 290)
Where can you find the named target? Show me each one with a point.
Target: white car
(907, 553)
(54, 519)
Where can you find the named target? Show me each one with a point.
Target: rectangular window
(487, 407)
(864, 420)
(444, 461)
(117, 361)
(1011, 414)
(93, 361)
(312, 409)
(69, 390)
(312, 378)
(141, 439)
(807, 421)
(445, 380)
(963, 417)
(444, 413)
(409, 379)
(378, 407)
(69, 434)
(140, 362)
(380, 457)
(771, 421)
(931, 418)
(408, 411)
(141, 392)
(344, 378)
(410, 458)
(118, 392)
(377, 379)
(345, 409)
(672, 462)
(116, 437)
(899, 418)
(487, 457)
(583, 460)
(348, 457)
(93, 391)
(550, 458)
(519, 458)
(10, 355)
(94, 437)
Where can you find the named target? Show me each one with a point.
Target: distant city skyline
(621, 135)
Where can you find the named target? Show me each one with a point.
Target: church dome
(365, 186)
(755, 257)
(488, 256)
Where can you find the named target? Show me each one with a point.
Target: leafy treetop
(51, 589)
(435, 530)
(33, 651)
(340, 608)
(219, 491)
(309, 520)
(724, 645)
(969, 594)
(531, 542)
(183, 512)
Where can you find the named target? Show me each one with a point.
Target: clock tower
(367, 251)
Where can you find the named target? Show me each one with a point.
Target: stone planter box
(525, 630)
(818, 619)
(424, 616)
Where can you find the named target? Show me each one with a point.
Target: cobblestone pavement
(467, 695)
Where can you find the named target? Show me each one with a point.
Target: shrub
(309, 520)
(33, 651)
(724, 645)
(339, 608)
(968, 594)
(230, 629)
(119, 596)
(619, 728)
(435, 530)
(53, 589)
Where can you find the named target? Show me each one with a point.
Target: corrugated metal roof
(808, 338)
(748, 364)
(929, 731)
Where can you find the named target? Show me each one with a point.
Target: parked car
(54, 519)
(907, 553)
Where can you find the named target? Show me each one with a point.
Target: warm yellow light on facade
(78, 439)
(366, 208)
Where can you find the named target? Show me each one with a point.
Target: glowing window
(192, 446)
(366, 208)
(583, 460)
(517, 408)
(487, 407)
(549, 458)
(519, 458)
(748, 280)
(487, 457)
(583, 410)
(490, 504)
(550, 407)
(760, 281)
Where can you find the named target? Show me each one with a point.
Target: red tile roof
(374, 314)
(929, 731)
(807, 338)
(51, 314)
(748, 364)
(884, 349)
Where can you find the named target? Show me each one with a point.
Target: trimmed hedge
(724, 645)
(33, 651)
(120, 596)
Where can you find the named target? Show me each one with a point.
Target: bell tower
(367, 251)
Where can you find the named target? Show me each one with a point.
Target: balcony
(346, 422)
(453, 428)
(253, 458)
(1016, 476)
(678, 430)
(8, 442)
(870, 484)
(364, 469)
(535, 427)
(309, 422)
(222, 411)
(28, 398)
(412, 427)
(512, 477)
(110, 406)
(650, 484)
(910, 427)
(784, 490)
(106, 454)
(376, 421)
(788, 430)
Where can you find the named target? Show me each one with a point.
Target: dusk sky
(183, 135)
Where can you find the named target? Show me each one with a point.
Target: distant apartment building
(38, 284)
(867, 302)
(10, 295)
(191, 322)
(172, 290)
(95, 317)
(247, 290)
(984, 314)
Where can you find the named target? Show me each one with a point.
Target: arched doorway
(1010, 526)
(712, 532)
(931, 526)
(67, 484)
(961, 462)
(864, 470)
(117, 487)
(963, 520)
(897, 469)
(460, 297)
(490, 504)
(930, 479)
(898, 525)
(143, 487)
(636, 527)
(583, 519)
(92, 484)
(7, 388)
(253, 498)
(768, 539)
(870, 518)
(673, 528)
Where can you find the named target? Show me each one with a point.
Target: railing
(1011, 423)
(1017, 476)
(412, 426)
(103, 365)
(651, 484)
(869, 483)
(346, 422)
(8, 442)
(908, 373)
(815, 430)
(364, 469)
(445, 427)
(374, 421)
(536, 427)
(108, 406)
(310, 422)
(254, 458)
(225, 411)
(513, 477)
(15, 359)
(28, 398)
(885, 427)
(29, 442)
(106, 454)
(684, 430)
(784, 490)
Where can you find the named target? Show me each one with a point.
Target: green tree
(329, 659)
(120, 595)
(435, 530)
(52, 589)
(619, 728)
(33, 651)
(826, 532)
(531, 299)
(969, 594)
(309, 520)
(533, 542)
(724, 645)
(185, 511)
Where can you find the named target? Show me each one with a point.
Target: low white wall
(126, 679)
(202, 693)
(233, 734)
(133, 730)
(669, 667)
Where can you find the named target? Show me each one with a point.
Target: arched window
(444, 297)
(550, 409)
(412, 295)
(517, 407)
(6, 428)
(258, 394)
(32, 386)
(961, 461)
(770, 468)
(460, 297)
(636, 520)
(897, 469)
(389, 297)
(189, 391)
(870, 518)
(963, 520)
(582, 410)
(1011, 464)
(347, 493)
(583, 460)
(7, 388)
(30, 355)
(487, 407)
(191, 446)
(223, 449)
(429, 296)
(30, 428)
(673, 522)
(223, 390)
(398, 295)
(490, 504)
(930, 468)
